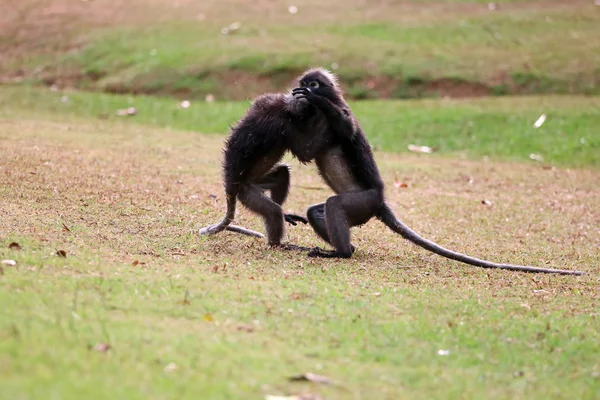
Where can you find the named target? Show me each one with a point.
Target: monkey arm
(339, 118)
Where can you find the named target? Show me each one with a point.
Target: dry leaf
(536, 157)
(171, 367)
(124, 112)
(136, 262)
(208, 317)
(232, 28)
(61, 253)
(214, 269)
(540, 121)
(310, 377)
(102, 347)
(15, 246)
(10, 263)
(420, 149)
(245, 328)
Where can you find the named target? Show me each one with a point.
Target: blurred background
(527, 70)
(235, 49)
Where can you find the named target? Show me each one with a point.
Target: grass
(496, 128)
(225, 317)
(522, 47)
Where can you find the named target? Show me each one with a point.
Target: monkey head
(320, 82)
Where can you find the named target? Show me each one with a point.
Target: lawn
(381, 49)
(142, 307)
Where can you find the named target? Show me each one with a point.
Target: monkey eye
(313, 84)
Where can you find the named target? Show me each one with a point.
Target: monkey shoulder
(270, 101)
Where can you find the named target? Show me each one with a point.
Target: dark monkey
(346, 163)
(274, 124)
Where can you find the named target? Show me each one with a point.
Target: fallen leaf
(10, 263)
(171, 367)
(214, 269)
(232, 28)
(61, 253)
(420, 149)
(540, 121)
(536, 157)
(310, 377)
(208, 317)
(14, 246)
(124, 112)
(245, 328)
(136, 262)
(399, 184)
(102, 347)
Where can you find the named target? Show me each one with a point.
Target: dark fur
(274, 124)
(347, 164)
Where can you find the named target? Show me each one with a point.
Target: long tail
(245, 231)
(227, 220)
(388, 218)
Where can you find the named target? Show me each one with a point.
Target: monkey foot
(318, 252)
(292, 247)
(293, 218)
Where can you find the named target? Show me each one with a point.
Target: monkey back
(256, 142)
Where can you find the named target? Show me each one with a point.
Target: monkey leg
(277, 181)
(252, 197)
(333, 219)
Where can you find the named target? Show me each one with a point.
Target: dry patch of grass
(227, 317)
(162, 186)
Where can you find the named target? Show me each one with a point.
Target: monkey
(273, 124)
(346, 163)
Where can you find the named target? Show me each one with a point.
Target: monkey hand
(293, 218)
(310, 96)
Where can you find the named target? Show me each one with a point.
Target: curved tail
(387, 217)
(227, 220)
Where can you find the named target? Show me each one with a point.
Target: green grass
(551, 44)
(224, 317)
(497, 128)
